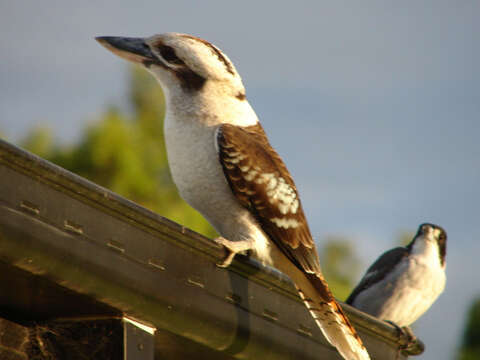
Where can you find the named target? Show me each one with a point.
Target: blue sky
(373, 105)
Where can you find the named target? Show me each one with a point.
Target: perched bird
(224, 167)
(405, 281)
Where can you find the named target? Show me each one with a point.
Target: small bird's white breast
(407, 291)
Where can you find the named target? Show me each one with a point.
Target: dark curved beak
(132, 49)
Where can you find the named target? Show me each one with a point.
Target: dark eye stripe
(168, 54)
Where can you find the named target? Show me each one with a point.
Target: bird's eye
(169, 55)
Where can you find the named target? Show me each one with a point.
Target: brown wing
(261, 182)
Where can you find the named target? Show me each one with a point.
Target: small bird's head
(433, 234)
(180, 62)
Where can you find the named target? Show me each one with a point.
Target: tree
(470, 347)
(339, 264)
(39, 141)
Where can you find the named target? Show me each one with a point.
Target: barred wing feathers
(262, 184)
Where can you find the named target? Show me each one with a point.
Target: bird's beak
(132, 49)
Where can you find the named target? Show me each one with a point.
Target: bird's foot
(406, 333)
(232, 248)
(229, 248)
(398, 329)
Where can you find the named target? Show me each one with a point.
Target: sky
(374, 107)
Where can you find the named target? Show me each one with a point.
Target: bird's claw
(406, 333)
(409, 333)
(230, 252)
(398, 329)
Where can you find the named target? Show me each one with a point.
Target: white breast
(199, 177)
(407, 292)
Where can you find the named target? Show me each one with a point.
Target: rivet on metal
(196, 281)
(29, 207)
(116, 245)
(156, 264)
(73, 227)
(302, 329)
(270, 315)
(233, 298)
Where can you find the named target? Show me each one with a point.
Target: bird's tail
(330, 317)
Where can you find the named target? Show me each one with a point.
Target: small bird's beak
(132, 49)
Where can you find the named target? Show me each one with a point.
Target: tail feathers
(331, 319)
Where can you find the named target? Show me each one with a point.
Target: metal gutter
(70, 248)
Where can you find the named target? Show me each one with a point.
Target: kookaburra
(405, 281)
(224, 167)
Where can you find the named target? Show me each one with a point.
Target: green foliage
(125, 152)
(39, 141)
(470, 348)
(339, 265)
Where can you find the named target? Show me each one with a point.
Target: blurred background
(373, 106)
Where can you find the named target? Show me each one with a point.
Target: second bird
(405, 281)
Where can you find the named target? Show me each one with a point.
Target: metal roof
(70, 248)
